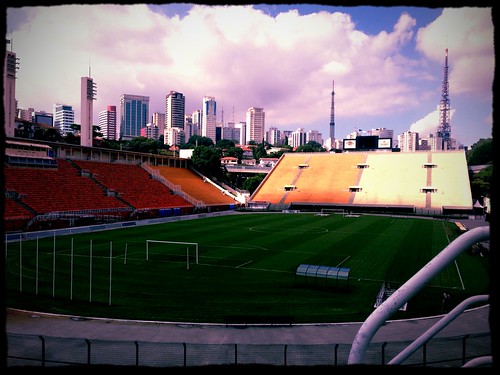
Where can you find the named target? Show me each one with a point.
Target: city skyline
(387, 62)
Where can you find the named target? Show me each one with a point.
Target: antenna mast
(444, 128)
(332, 114)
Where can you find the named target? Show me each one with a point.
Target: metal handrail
(402, 295)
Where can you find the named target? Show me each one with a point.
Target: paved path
(472, 321)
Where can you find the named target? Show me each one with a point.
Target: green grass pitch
(246, 266)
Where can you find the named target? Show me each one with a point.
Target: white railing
(402, 295)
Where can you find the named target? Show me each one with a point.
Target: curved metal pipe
(410, 288)
(432, 331)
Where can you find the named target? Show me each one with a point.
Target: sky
(386, 63)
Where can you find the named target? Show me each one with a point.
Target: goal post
(179, 245)
(328, 211)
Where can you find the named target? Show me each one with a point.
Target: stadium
(324, 238)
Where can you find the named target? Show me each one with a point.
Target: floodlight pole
(71, 272)
(20, 265)
(110, 268)
(54, 268)
(36, 277)
(90, 273)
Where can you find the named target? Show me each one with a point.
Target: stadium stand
(431, 183)
(40, 190)
(195, 186)
(134, 185)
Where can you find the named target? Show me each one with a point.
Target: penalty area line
(244, 264)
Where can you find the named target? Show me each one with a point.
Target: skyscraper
(134, 115)
(158, 119)
(64, 117)
(87, 95)
(208, 123)
(255, 120)
(174, 115)
(107, 122)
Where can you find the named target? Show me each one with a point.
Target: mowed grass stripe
(247, 267)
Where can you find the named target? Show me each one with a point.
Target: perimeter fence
(45, 351)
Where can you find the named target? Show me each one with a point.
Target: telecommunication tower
(332, 114)
(444, 127)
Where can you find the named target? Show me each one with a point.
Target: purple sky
(387, 62)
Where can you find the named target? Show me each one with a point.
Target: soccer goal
(172, 251)
(332, 211)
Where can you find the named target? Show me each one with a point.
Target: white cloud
(243, 58)
(467, 33)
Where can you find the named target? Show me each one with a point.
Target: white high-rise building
(314, 135)
(297, 138)
(64, 117)
(209, 123)
(175, 103)
(196, 120)
(408, 141)
(255, 125)
(242, 126)
(107, 122)
(274, 136)
(159, 120)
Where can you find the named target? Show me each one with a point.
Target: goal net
(172, 251)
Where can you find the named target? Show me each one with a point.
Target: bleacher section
(133, 185)
(54, 190)
(423, 182)
(393, 179)
(194, 185)
(451, 179)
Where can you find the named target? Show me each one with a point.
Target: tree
(252, 183)
(259, 151)
(481, 182)
(311, 146)
(197, 140)
(481, 152)
(225, 143)
(236, 152)
(206, 159)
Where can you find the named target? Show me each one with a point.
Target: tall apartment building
(175, 104)
(42, 117)
(208, 120)
(134, 115)
(87, 97)
(231, 132)
(314, 135)
(25, 114)
(64, 117)
(107, 122)
(273, 136)
(297, 138)
(188, 126)
(242, 126)
(159, 120)
(150, 131)
(196, 120)
(255, 120)
(382, 132)
(408, 141)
